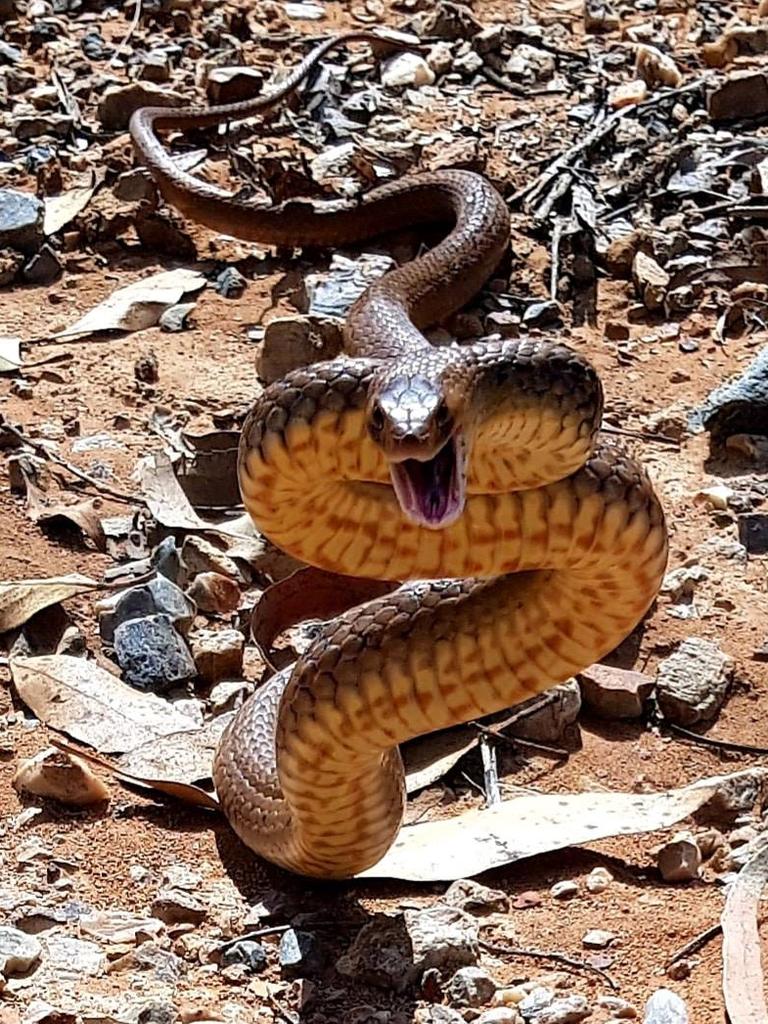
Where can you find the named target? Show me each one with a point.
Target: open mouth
(432, 493)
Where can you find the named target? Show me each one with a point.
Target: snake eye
(377, 418)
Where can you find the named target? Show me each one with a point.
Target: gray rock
(300, 954)
(174, 906)
(559, 708)
(474, 898)
(176, 318)
(18, 951)
(44, 267)
(252, 954)
(152, 655)
(393, 952)
(544, 314)
(70, 958)
(233, 84)
(435, 1015)
(120, 101)
(166, 560)
(21, 221)
(741, 94)
(615, 692)
(471, 986)
(155, 67)
(740, 406)
(665, 1007)
(567, 1010)
(230, 283)
(331, 294)
(157, 597)
(692, 683)
(535, 1003)
(164, 964)
(299, 340)
(753, 533)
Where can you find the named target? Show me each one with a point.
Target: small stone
(511, 996)
(600, 16)
(233, 84)
(500, 1015)
(692, 683)
(475, 898)
(60, 776)
(536, 1002)
(598, 880)
(155, 67)
(716, 497)
(218, 654)
(679, 860)
(615, 692)
(556, 711)
(597, 938)
(18, 951)
(651, 281)
(228, 695)
(152, 655)
(543, 314)
(753, 533)
(293, 341)
(440, 57)
(157, 597)
(568, 1010)
(406, 69)
(118, 927)
(424, 1015)
(174, 906)
(656, 68)
(743, 835)
(21, 221)
(740, 406)
(176, 318)
(331, 294)
(504, 323)
(73, 959)
(146, 369)
(44, 267)
(616, 330)
(471, 986)
(618, 1007)
(665, 1007)
(300, 954)
(530, 63)
(230, 283)
(564, 890)
(200, 555)
(214, 593)
(247, 952)
(627, 94)
(742, 94)
(120, 101)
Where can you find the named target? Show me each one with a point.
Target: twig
(44, 450)
(126, 38)
(558, 958)
(513, 88)
(709, 741)
(695, 944)
(641, 435)
(275, 929)
(554, 273)
(490, 771)
(516, 741)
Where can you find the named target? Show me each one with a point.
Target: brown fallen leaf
(743, 978)
(77, 697)
(184, 757)
(21, 599)
(179, 790)
(83, 515)
(60, 776)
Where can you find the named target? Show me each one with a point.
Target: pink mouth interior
(431, 493)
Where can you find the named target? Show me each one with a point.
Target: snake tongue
(431, 493)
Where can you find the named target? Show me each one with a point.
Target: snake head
(411, 419)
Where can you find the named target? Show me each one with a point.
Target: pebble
(18, 951)
(406, 69)
(300, 954)
(620, 1008)
(500, 1015)
(199, 555)
(471, 986)
(564, 890)
(475, 898)
(252, 954)
(233, 84)
(118, 926)
(59, 776)
(120, 101)
(152, 655)
(543, 314)
(21, 221)
(175, 906)
(157, 597)
(665, 1007)
(393, 952)
(218, 654)
(651, 281)
(440, 57)
(426, 1015)
(44, 267)
(679, 859)
(627, 94)
(230, 283)
(741, 94)
(615, 692)
(597, 938)
(598, 880)
(214, 593)
(299, 340)
(176, 318)
(692, 683)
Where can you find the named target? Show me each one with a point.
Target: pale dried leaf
(138, 305)
(743, 979)
(84, 515)
(479, 840)
(21, 599)
(63, 208)
(77, 697)
(184, 757)
(10, 353)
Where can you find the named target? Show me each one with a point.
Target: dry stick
(695, 944)
(131, 499)
(708, 741)
(126, 38)
(275, 929)
(558, 958)
(641, 435)
(490, 771)
(515, 741)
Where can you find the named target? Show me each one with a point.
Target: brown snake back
(557, 553)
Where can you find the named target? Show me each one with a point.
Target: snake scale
(526, 548)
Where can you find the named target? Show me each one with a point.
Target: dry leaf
(479, 840)
(184, 757)
(10, 354)
(63, 208)
(79, 698)
(21, 599)
(743, 981)
(138, 305)
(83, 514)
(179, 790)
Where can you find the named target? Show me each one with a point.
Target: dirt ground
(209, 368)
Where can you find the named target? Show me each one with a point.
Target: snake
(522, 545)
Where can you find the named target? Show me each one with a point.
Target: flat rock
(615, 692)
(394, 952)
(59, 776)
(298, 340)
(331, 294)
(120, 101)
(174, 906)
(471, 986)
(692, 683)
(233, 84)
(475, 898)
(740, 406)
(214, 593)
(18, 951)
(741, 94)
(426, 1015)
(218, 654)
(69, 958)
(152, 655)
(21, 221)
